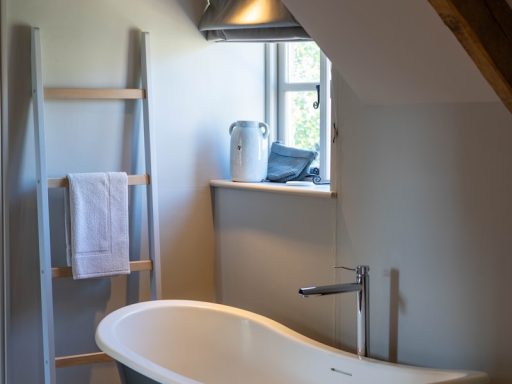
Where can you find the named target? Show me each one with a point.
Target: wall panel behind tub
(268, 246)
(426, 203)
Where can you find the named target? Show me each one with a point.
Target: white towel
(97, 242)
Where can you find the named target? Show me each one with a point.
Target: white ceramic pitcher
(249, 151)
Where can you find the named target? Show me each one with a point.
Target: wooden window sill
(310, 190)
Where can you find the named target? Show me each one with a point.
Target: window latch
(316, 104)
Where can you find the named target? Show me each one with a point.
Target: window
(299, 77)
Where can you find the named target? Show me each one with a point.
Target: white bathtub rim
(108, 341)
(112, 346)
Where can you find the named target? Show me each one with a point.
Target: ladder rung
(135, 266)
(94, 93)
(85, 358)
(132, 180)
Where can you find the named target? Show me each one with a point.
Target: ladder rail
(150, 159)
(43, 215)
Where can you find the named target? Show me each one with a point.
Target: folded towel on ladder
(97, 241)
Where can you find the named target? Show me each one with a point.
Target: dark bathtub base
(129, 376)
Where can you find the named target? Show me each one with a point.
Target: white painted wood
(325, 118)
(152, 194)
(271, 89)
(43, 215)
(335, 128)
(282, 135)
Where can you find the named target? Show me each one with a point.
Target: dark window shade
(250, 20)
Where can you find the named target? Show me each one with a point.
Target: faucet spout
(361, 287)
(329, 289)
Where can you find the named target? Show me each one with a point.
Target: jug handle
(265, 129)
(231, 127)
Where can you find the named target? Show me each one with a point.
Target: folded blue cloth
(288, 163)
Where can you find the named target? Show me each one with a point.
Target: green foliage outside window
(303, 63)
(303, 119)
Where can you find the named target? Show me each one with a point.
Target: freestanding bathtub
(191, 342)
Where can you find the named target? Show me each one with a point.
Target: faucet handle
(360, 269)
(342, 267)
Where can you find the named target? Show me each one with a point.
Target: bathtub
(191, 342)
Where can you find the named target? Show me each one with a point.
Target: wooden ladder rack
(48, 273)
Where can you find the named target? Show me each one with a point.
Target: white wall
(394, 51)
(423, 173)
(426, 203)
(424, 199)
(268, 246)
(423, 169)
(199, 89)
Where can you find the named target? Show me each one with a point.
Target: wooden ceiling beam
(484, 29)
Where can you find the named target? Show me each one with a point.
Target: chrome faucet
(363, 302)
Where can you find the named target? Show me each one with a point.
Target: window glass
(302, 121)
(303, 62)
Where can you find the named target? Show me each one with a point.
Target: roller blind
(250, 20)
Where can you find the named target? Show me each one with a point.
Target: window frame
(276, 87)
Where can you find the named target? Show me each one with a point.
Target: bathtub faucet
(363, 302)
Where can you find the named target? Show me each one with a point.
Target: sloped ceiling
(393, 51)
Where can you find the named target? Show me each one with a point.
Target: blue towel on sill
(288, 163)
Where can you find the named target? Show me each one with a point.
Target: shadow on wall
(187, 223)
(193, 10)
(394, 306)
(482, 280)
